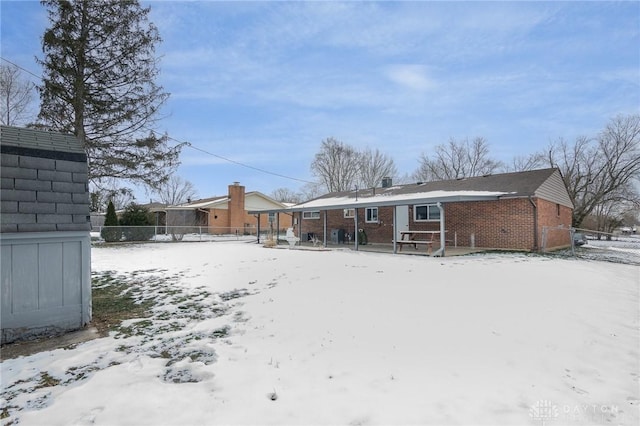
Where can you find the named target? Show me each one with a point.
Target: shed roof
(40, 140)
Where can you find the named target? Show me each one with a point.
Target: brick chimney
(236, 208)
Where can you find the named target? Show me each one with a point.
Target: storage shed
(44, 234)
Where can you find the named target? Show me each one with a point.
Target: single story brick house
(44, 234)
(528, 211)
(227, 214)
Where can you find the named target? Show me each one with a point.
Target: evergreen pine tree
(111, 231)
(137, 223)
(99, 71)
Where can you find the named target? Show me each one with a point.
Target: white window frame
(429, 207)
(311, 214)
(369, 213)
(272, 217)
(349, 213)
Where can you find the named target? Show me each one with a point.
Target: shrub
(111, 231)
(137, 223)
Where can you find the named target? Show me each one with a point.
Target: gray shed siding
(553, 189)
(43, 194)
(44, 234)
(45, 283)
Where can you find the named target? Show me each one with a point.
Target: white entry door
(402, 220)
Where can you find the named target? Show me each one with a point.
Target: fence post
(572, 231)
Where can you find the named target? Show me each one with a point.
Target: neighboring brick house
(44, 234)
(229, 214)
(514, 211)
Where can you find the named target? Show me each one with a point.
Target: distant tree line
(602, 172)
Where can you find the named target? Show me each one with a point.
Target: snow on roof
(388, 199)
(489, 187)
(199, 204)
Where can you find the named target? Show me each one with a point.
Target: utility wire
(22, 68)
(190, 145)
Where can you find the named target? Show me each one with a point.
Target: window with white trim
(349, 213)
(371, 215)
(312, 214)
(426, 213)
(272, 217)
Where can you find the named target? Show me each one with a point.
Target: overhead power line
(189, 144)
(22, 68)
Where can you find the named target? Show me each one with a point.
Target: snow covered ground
(622, 249)
(242, 334)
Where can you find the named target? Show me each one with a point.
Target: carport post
(357, 232)
(440, 251)
(395, 230)
(258, 228)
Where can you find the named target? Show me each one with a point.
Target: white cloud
(414, 77)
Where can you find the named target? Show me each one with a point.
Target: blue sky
(263, 83)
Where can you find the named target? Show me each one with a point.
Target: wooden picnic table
(410, 237)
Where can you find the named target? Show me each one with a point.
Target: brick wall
(236, 214)
(504, 224)
(284, 221)
(235, 217)
(43, 191)
(557, 219)
(218, 218)
(380, 232)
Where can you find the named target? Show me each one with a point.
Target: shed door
(402, 220)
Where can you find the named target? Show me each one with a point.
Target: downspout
(535, 224)
(324, 230)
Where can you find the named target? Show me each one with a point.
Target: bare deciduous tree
(457, 159)
(336, 165)
(374, 166)
(341, 167)
(15, 95)
(101, 196)
(176, 191)
(310, 191)
(286, 195)
(525, 163)
(601, 170)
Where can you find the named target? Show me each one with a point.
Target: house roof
(213, 202)
(544, 183)
(202, 203)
